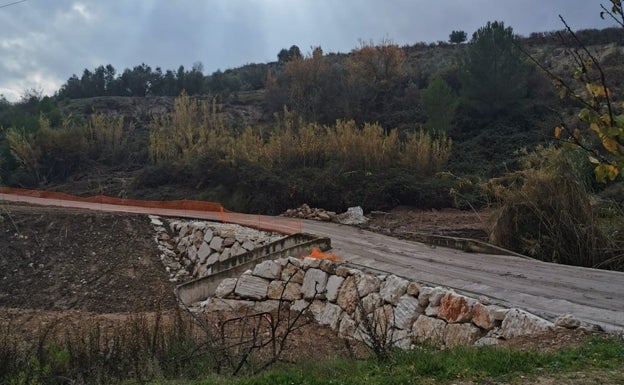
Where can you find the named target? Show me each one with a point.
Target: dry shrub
(547, 215)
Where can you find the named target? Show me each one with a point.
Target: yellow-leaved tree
(602, 112)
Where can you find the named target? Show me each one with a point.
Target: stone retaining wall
(191, 249)
(356, 304)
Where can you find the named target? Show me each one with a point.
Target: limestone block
(268, 269)
(213, 258)
(432, 311)
(333, 286)
(308, 263)
(316, 309)
(155, 220)
(229, 241)
(436, 295)
(383, 322)
(216, 243)
(499, 313)
(197, 238)
(413, 289)
(344, 271)
(483, 317)
(455, 308)
(266, 306)
(567, 321)
(252, 287)
(429, 330)
(328, 266)
(371, 302)
(314, 283)
(191, 253)
(281, 290)
(402, 339)
(393, 288)
(226, 287)
(519, 323)
(208, 235)
(299, 305)
(347, 328)
(331, 316)
(248, 245)
(225, 254)
(203, 253)
(367, 284)
(293, 273)
(347, 295)
(407, 310)
(220, 304)
(465, 334)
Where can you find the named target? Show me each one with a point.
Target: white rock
(430, 330)
(367, 284)
(252, 287)
(567, 321)
(248, 245)
(203, 253)
(393, 288)
(371, 302)
(331, 316)
(213, 258)
(402, 339)
(216, 243)
(225, 255)
(314, 283)
(333, 285)
(461, 335)
(208, 234)
(407, 310)
(521, 323)
(487, 341)
(219, 304)
(268, 269)
(226, 287)
(156, 220)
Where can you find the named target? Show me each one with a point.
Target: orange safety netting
(188, 208)
(318, 254)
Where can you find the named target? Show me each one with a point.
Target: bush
(546, 212)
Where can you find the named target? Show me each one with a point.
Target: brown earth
(70, 266)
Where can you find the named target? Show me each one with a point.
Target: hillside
(314, 94)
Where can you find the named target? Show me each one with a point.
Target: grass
(596, 356)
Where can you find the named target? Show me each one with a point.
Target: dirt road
(594, 296)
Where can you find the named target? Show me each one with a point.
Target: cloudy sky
(44, 42)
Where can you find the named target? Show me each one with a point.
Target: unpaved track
(546, 289)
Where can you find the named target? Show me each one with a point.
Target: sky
(44, 42)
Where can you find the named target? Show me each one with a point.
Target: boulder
(429, 330)
(203, 253)
(268, 269)
(483, 316)
(216, 243)
(331, 316)
(226, 287)
(521, 323)
(286, 292)
(348, 298)
(314, 283)
(353, 216)
(292, 273)
(393, 288)
(252, 287)
(455, 308)
(407, 310)
(333, 286)
(371, 302)
(567, 321)
(367, 284)
(461, 335)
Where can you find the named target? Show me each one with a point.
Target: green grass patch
(430, 366)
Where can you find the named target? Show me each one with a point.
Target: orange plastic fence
(188, 208)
